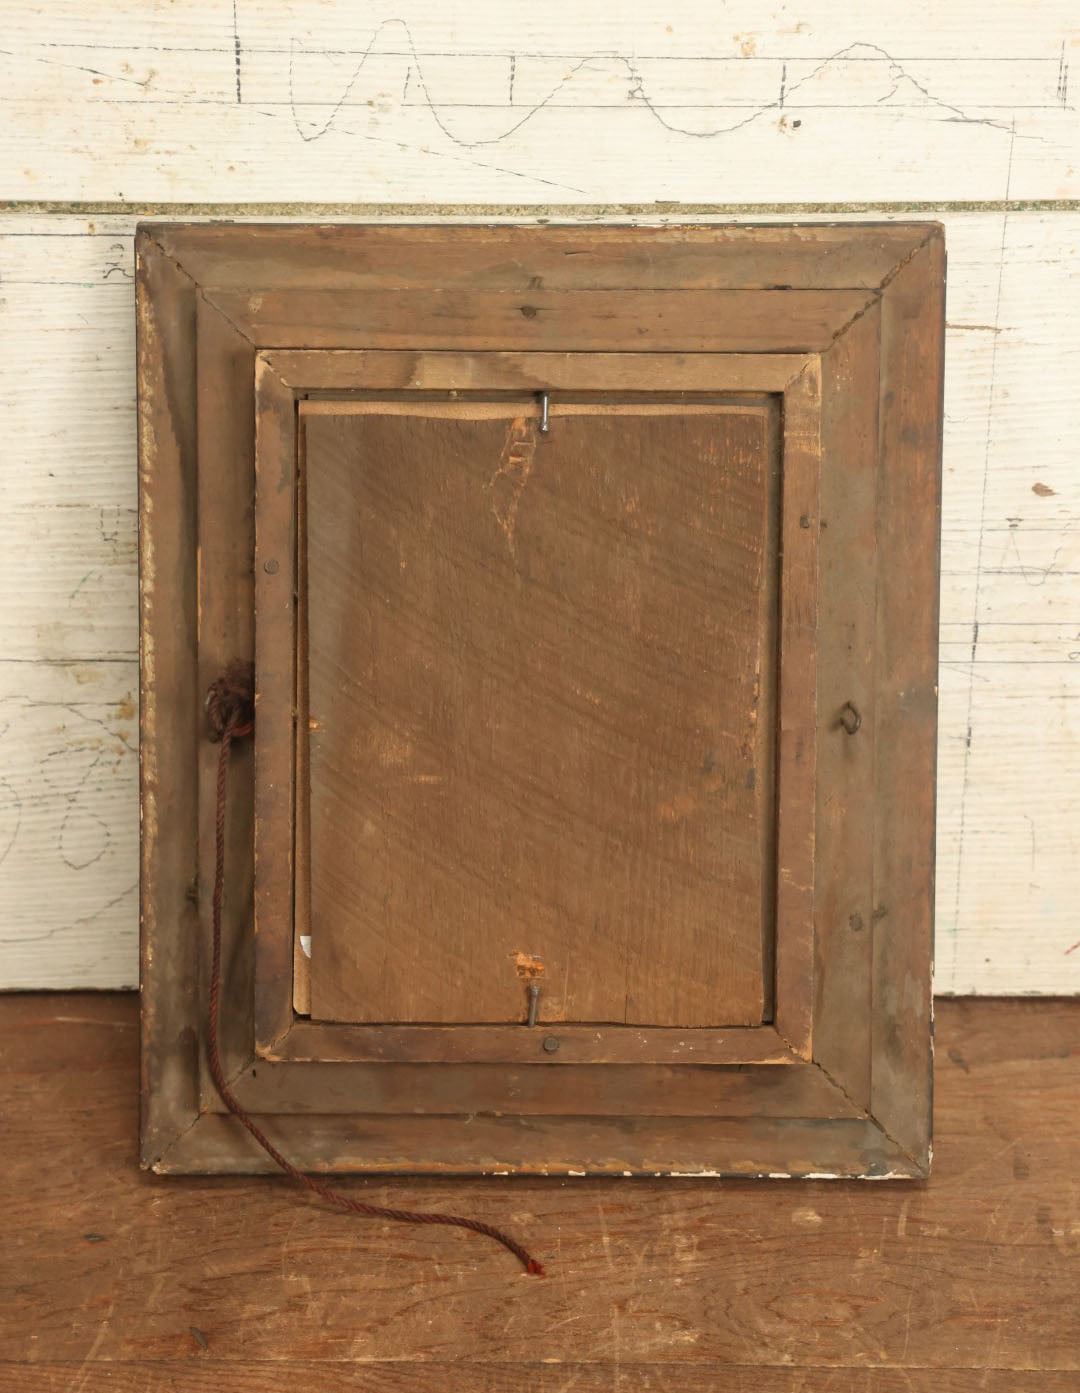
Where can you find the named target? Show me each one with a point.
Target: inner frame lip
(288, 383)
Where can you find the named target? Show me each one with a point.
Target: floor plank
(200, 1374)
(115, 1279)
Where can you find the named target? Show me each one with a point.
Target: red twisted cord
(230, 715)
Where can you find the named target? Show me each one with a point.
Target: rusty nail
(270, 567)
(551, 1043)
(850, 718)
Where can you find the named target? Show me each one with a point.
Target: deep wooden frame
(846, 322)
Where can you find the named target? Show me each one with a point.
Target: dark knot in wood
(850, 717)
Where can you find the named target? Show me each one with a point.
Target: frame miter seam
(207, 299)
(879, 293)
(151, 241)
(869, 1116)
(175, 1142)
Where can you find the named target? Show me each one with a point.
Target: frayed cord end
(536, 1268)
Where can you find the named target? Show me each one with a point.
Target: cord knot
(230, 702)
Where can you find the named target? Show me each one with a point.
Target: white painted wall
(324, 108)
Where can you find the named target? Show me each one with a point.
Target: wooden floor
(112, 1279)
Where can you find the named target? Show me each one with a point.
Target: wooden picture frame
(836, 333)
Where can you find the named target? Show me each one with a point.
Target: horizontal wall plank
(482, 103)
(69, 824)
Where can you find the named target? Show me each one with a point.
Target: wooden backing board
(541, 681)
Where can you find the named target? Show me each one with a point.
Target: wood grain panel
(509, 1044)
(775, 1148)
(275, 585)
(677, 321)
(844, 798)
(331, 372)
(226, 634)
(168, 685)
(563, 703)
(906, 664)
(396, 257)
(194, 1373)
(795, 755)
(540, 1090)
